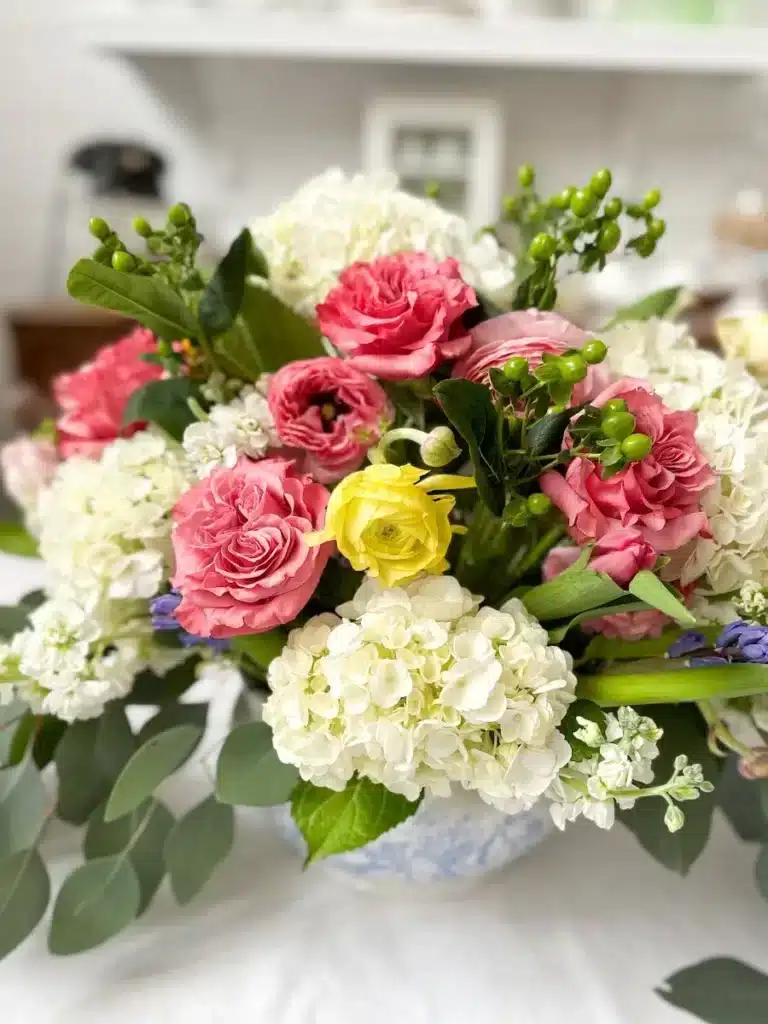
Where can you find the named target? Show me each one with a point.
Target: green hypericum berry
(651, 199)
(515, 368)
(124, 262)
(614, 405)
(594, 351)
(609, 237)
(645, 246)
(636, 446)
(99, 228)
(542, 248)
(618, 425)
(511, 206)
(538, 504)
(613, 208)
(432, 190)
(103, 255)
(657, 229)
(178, 215)
(601, 182)
(142, 227)
(559, 201)
(583, 202)
(573, 368)
(526, 175)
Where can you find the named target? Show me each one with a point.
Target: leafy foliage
(25, 889)
(649, 588)
(223, 296)
(197, 845)
(23, 807)
(98, 900)
(571, 594)
(152, 763)
(719, 991)
(249, 771)
(166, 404)
(660, 304)
(15, 540)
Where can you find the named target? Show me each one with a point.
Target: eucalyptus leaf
(171, 715)
(13, 618)
(249, 772)
(49, 732)
(719, 991)
(98, 900)
(166, 404)
(571, 594)
(261, 648)
(332, 822)
(647, 587)
(82, 783)
(25, 889)
(197, 845)
(10, 716)
(761, 871)
(151, 688)
(15, 540)
(147, 300)
(24, 807)
(115, 743)
(739, 799)
(223, 296)
(657, 304)
(152, 763)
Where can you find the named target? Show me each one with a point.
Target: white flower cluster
(105, 525)
(624, 747)
(243, 426)
(335, 220)
(417, 689)
(732, 431)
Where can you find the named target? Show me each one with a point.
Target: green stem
(378, 454)
(539, 550)
(676, 685)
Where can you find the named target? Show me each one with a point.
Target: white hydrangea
(732, 431)
(417, 688)
(624, 747)
(335, 220)
(243, 426)
(105, 525)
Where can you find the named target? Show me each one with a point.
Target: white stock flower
(418, 689)
(243, 426)
(335, 220)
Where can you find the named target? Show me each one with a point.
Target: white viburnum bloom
(335, 220)
(106, 524)
(243, 426)
(418, 689)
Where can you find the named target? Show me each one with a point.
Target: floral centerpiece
(457, 543)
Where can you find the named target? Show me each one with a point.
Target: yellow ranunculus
(386, 522)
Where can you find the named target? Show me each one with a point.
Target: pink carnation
(630, 626)
(659, 496)
(330, 410)
(621, 554)
(242, 564)
(93, 398)
(400, 316)
(530, 334)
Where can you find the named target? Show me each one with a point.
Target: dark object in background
(120, 168)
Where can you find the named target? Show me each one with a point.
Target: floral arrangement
(453, 540)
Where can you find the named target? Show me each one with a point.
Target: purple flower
(749, 640)
(163, 608)
(688, 643)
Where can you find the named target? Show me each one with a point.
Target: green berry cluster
(610, 434)
(550, 382)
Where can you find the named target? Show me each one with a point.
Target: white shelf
(527, 42)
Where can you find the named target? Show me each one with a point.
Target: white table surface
(579, 932)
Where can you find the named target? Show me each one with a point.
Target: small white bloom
(243, 426)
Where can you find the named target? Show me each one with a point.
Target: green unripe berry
(636, 446)
(432, 190)
(573, 368)
(559, 201)
(601, 182)
(583, 203)
(609, 237)
(511, 206)
(657, 229)
(618, 425)
(103, 255)
(99, 228)
(538, 504)
(155, 244)
(645, 246)
(567, 195)
(651, 199)
(542, 248)
(142, 227)
(614, 405)
(613, 208)
(515, 368)
(123, 261)
(178, 215)
(526, 175)
(594, 351)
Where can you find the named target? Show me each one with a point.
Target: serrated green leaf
(649, 588)
(147, 300)
(657, 304)
(261, 648)
(151, 688)
(166, 404)
(98, 900)
(24, 893)
(249, 772)
(719, 991)
(171, 715)
(13, 618)
(15, 540)
(197, 845)
(223, 296)
(24, 807)
(334, 822)
(152, 763)
(571, 594)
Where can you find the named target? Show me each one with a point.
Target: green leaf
(98, 900)
(337, 822)
(150, 688)
(261, 648)
(22, 739)
(174, 714)
(197, 845)
(24, 807)
(82, 783)
(115, 743)
(33, 600)
(739, 799)
(761, 871)
(24, 893)
(249, 772)
(13, 618)
(685, 732)
(649, 588)
(147, 300)
(152, 763)
(10, 717)
(165, 403)
(155, 822)
(49, 731)
(223, 296)
(719, 991)
(674, 683)
(571, 594)
(469, 408)
(15, 540)
(545, 436)
(658, 304)
(611, 649)
(580, 751)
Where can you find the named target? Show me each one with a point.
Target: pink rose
(93, 398)
(242, 565)
(400, 316)
(621, 554)
(27, 466)
(330, 410)
(530, 334)
(629, 626)
(660, 496)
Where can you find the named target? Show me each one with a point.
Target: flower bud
(99, 228)
(755, 767)
(439, 448)
(179, 215)
(674, 818)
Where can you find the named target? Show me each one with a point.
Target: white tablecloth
(579, 932)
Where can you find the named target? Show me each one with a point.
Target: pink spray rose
(530, 334)
(242, 565)
(400, 316)
(93, 398)
(660, 496)
(27, 466)
(329, 409)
